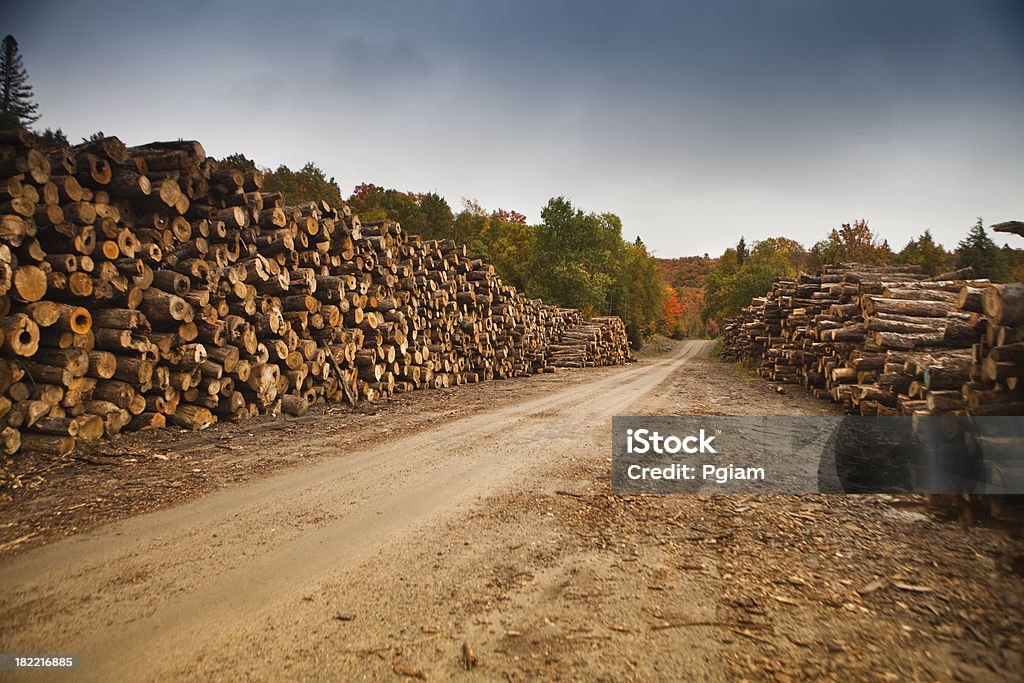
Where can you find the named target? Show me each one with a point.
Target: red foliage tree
(672, 311)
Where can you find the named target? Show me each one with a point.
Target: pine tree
(17, 107)
(978, 251)
(52, 139)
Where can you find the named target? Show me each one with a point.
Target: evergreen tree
(52, 139)
(741, 251)
(238, 161)
(978, 251)
(17, 107)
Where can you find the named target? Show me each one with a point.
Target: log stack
(746, 335)
(147, 286)
(890, 341)
(877, 339)
(995, 373)
(598, 341)
(996, 386)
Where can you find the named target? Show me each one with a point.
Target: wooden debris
(468, 657)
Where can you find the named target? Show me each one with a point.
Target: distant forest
(712, 290)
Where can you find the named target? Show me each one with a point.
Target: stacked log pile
(746, 335)
(995, 368)
(598, 341)
(148, 286)
(879, 340)
(891, 341)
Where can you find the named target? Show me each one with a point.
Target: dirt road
(493, 526)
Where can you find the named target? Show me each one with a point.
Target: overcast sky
(696, 122)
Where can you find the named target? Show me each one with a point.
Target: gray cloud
(695, 122)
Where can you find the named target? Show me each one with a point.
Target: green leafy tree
(924, 252)
(437, 216)
(581, 260)
(787, 256)
(17, 102)
(731, 286)
(470, 227)
(728, 289)
(308, 184)
(641, 303)
(571, 265)
(501, 237)
(979, 252)
(374, 203)
(305, 185)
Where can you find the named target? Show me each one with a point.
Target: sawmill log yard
(512, 341)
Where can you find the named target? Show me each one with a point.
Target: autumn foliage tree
(671, 311)
(509, 243)
(686, 271)
(692, 322)
(851, 243)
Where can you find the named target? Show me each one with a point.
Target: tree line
(746, 271)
